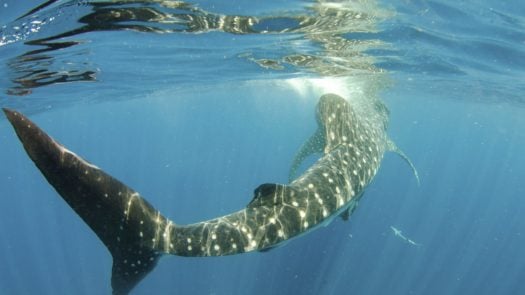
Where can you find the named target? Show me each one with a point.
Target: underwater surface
(195, 104)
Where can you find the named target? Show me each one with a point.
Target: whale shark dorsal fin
(267, 194)
(335, 120)
(391, 146)
(125, 222)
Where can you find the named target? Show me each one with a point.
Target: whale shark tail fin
(393, 147)
(125, 222)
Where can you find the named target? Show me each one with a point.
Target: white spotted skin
(334, 184)
(352, 139)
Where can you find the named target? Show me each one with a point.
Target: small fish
(399, 234)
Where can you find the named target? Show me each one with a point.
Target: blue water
(195, 118)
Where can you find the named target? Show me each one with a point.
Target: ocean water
(195, 104)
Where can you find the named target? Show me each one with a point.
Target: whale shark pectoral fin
(267, 194)
(315, 144)
(267, 249)
(125, 222)
(345, 215)
(391, 146)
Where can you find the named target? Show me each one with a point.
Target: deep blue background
(457, 110)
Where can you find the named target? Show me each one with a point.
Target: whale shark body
(351, 138)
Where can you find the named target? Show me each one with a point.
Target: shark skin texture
(351, 140)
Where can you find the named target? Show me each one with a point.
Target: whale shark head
(336, 120)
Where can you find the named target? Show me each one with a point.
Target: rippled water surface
(195, 104)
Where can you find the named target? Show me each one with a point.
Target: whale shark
(351, 138)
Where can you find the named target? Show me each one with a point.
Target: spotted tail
(125, 222)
